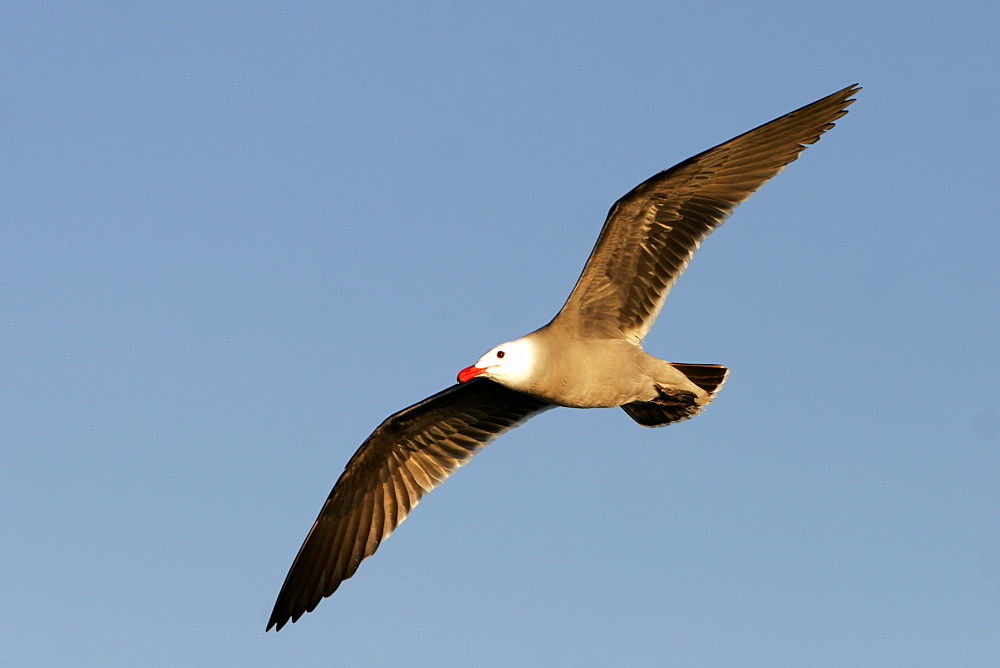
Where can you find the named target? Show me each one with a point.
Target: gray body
(583, 372)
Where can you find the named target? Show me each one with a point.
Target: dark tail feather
(679, 405)
(650, 414)
(708, 377)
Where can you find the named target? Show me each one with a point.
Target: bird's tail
(677, 405)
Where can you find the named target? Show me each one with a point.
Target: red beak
(470, 372)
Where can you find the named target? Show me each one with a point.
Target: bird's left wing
(652, 232)
(410, 453)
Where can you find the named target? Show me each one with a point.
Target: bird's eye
(500, 354)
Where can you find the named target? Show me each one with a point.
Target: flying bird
(589, 356)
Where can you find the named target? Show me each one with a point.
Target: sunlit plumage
(590, 355)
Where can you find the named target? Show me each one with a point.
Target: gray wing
(410, 453)
(652, 232)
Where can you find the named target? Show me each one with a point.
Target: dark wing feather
(411, 453)
(652, 232)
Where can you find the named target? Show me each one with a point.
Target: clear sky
(236, 236)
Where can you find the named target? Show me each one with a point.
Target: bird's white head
(509, 364)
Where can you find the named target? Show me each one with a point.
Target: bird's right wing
(410, 453)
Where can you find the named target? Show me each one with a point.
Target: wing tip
(287, 615)
(839, 101)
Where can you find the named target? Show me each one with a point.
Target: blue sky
(237, 236)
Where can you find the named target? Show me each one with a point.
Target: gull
(589, 356)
